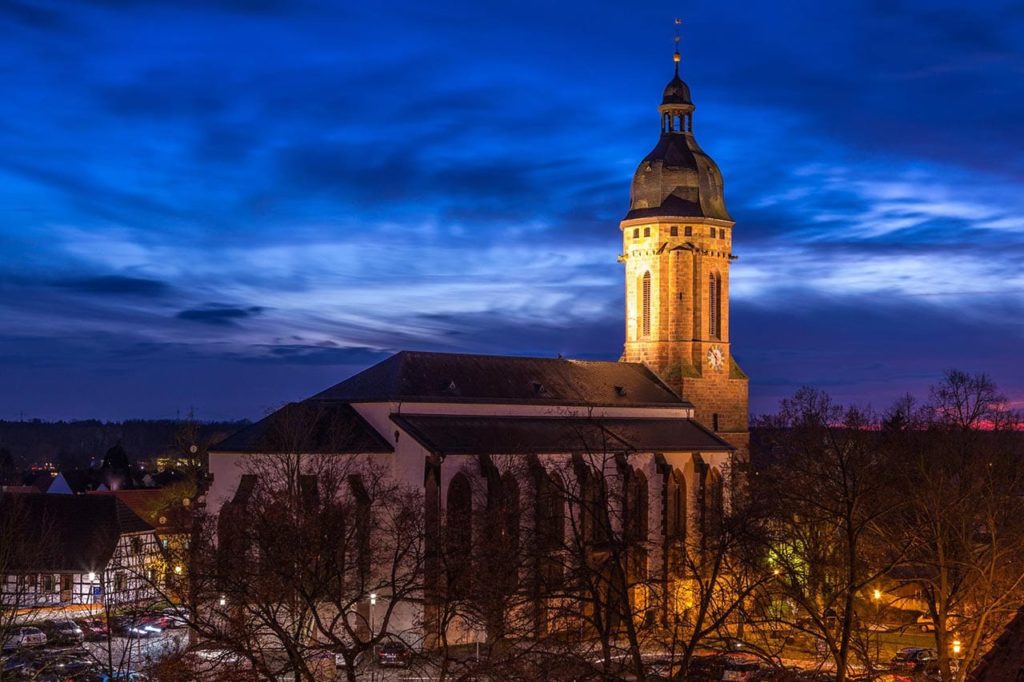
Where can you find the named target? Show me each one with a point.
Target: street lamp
(223, 600)
(876, 596)
(956, 647)
(373, 602)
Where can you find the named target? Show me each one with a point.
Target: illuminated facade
(677, 248)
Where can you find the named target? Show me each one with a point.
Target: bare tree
(961, 472)
(830, 488)
(318, 555)
(20, 551)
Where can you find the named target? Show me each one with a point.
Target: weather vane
(675, 55)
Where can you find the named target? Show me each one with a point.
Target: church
(661, 429)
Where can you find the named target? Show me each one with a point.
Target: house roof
(1005, 659)
(65, 533)
(414, 376)
(157, 506)
(488, 435)
(311, 426)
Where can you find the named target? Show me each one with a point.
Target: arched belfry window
(715, 305)
(645, 305)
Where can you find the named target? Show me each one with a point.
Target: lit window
(715, 305)
(645, 305)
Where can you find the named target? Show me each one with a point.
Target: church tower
(677, 247)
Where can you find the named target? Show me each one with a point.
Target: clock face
(716, 358)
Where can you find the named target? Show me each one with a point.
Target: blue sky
(226, 204)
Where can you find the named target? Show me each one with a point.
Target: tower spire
(675, 55)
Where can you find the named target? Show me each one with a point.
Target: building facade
(70, 550)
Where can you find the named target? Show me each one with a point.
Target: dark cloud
(117, 285)
(298, 354)
(219, 315)
(31, 15)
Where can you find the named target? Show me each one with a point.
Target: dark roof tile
(488, 435)
(312, 426)
(412, 376)
(66, 533)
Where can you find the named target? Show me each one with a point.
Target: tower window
(688, 230)
(647, 232)
(721, 233)
(715, 305)
(674, 231)
(636, 233)
(714, 232)
(714, 422)
(645, 305)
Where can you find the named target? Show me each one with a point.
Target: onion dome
(677, 179)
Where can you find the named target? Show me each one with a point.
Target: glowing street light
(177, 569)
(91, 577)
(956, 647)
(223, 600)
(877, 594)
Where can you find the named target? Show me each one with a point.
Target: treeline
(73, 444)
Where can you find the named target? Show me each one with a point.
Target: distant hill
(75, 443)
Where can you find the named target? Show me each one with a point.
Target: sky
(224, 205)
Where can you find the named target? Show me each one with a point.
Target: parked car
(339, 661)
(914, 659)
(116, 677)
(926, 624)
(175, 617)
(706, 668)
(65, 666)
(14, 665)
(155, 619)
(739, 670)
(63, 632)
(133, 626)
(93, 628)
(394, 654)
(26, 636)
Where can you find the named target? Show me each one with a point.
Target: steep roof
(156, 506)
(488, 435)
(311, 426)
(413, 376)
(65, 533)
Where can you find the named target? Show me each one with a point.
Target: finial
(675, 55)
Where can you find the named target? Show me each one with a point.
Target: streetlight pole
(373, 602)
(876, 597)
